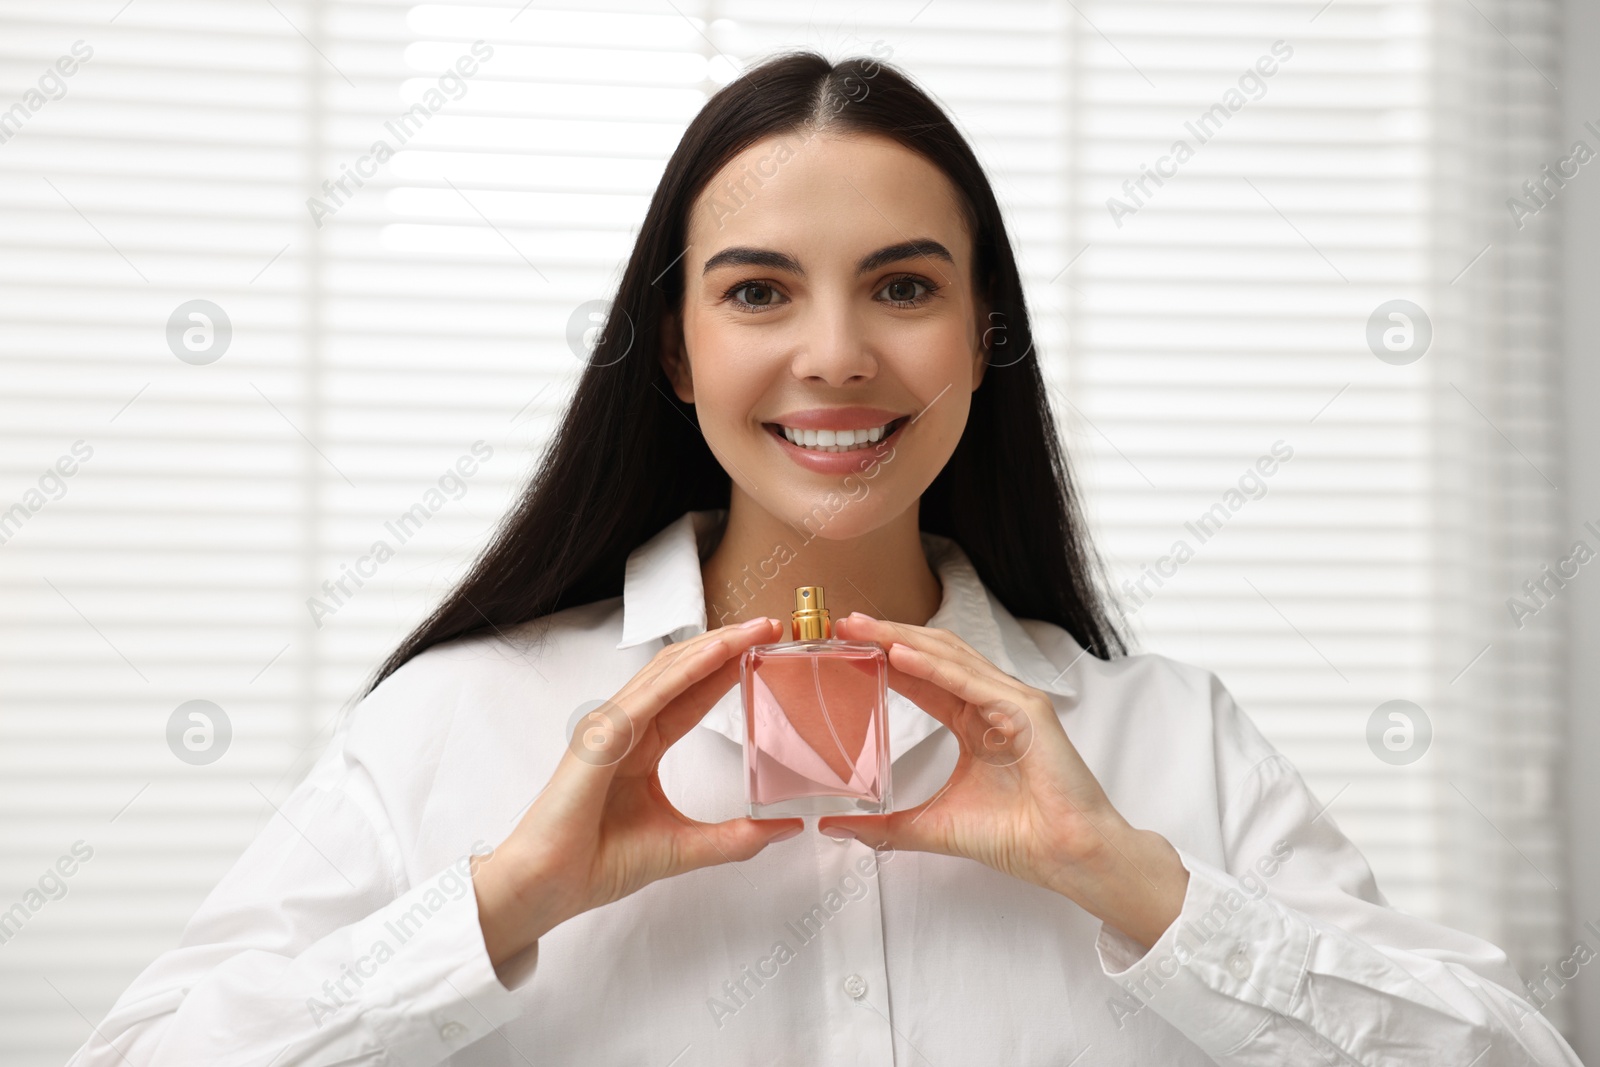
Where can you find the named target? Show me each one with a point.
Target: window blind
(292, 288)
(1326, 504)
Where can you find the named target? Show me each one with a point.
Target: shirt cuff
(447, 996)
(1230, 961)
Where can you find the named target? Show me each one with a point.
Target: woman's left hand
(1020, 800)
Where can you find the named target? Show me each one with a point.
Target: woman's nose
(833, 347)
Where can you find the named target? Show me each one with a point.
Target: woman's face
(829, 288)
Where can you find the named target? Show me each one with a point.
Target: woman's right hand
(602, 828)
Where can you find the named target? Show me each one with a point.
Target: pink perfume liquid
(816, 731)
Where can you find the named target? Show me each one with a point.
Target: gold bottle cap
(811, 621)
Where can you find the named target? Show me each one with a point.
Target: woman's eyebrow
(743, 256)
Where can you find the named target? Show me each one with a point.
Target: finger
(953, 677)
(930, 639)
(670, 654)
(1002, 724)
(707, 844)
(645, 697)
(681, 715)
(908, 633)
(928, 695)
(618, 723)
(898, 831)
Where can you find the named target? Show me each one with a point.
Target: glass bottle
(816, 731)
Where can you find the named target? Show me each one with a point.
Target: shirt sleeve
(314, 950)
(1289, 954)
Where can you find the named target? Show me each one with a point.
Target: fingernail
(753, 623)
(791, 832)
(857, 615)
(838, 831)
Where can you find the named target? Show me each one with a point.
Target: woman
(1103, 858)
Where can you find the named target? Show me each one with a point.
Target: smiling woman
(1090, 821)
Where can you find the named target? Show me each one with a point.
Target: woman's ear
(675, 360)
(987, 335)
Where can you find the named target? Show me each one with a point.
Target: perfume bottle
(816, 731)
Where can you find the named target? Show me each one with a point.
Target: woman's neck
(761, 559)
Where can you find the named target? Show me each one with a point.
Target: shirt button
(1239, 966)
(856, 986)
(450, 1030)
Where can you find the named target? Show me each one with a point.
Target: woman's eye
(759, 295)
(904, 291)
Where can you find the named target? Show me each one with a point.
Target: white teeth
(834, 440)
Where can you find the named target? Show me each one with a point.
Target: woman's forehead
(833, 198)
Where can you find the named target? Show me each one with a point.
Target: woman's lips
(851, 462)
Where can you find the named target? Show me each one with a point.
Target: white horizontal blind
(1313, 162)
(187, 557)
(1502, 66)
(430, 309)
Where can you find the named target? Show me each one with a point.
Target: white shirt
(814, 952)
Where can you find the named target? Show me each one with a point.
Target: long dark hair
(628, 458)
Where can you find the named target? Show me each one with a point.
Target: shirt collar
(663, 596)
